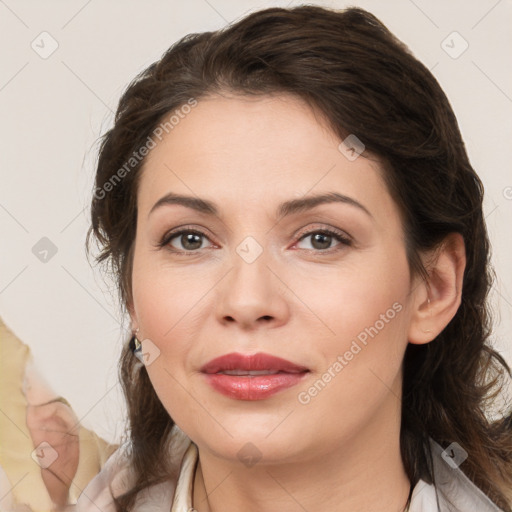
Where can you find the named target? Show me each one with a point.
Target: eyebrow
(290, 207)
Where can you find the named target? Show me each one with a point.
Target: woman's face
(260, 277)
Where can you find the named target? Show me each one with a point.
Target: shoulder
(113, 479)
(117, 476)
(453, 490)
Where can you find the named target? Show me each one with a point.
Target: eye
(188, 240)
(321, 240)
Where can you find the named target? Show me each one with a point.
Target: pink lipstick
(252, 377)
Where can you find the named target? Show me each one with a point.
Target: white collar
(182, 501)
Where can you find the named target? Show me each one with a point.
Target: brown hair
(350, 68)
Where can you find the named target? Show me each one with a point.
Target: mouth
(251, 364)
(249, 373)
(252, 377)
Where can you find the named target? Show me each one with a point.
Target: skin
(297, 300)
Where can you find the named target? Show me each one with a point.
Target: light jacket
(455, 492)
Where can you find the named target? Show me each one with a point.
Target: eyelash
(166, 239)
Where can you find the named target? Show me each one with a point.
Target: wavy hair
(349, 67)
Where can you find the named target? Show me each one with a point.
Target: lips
(252, 377)
(253, 364)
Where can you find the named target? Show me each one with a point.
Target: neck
(364, 473)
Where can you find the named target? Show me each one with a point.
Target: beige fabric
(21, 385)
(119, 475)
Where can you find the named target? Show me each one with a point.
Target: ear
(437, 301)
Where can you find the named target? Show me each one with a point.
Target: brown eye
(190, 241)
(321, 240)
(184, 240)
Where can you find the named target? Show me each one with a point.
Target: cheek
(362, 364)
(166, 305)
(363, 334)
(362, 295)
(165, 298)
(170, 304)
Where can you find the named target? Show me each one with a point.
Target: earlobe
(438, 300)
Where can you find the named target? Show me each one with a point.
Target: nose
(253, 294)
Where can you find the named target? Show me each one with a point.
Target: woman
(298, 239)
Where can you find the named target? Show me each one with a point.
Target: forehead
(257, 151)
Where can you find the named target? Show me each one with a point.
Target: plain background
(54, 109)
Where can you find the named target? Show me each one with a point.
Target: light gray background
(54, 109)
